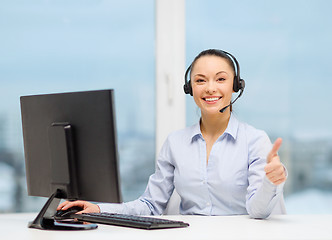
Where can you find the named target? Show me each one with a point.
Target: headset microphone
(224, 108)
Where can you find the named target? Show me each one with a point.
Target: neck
(214, 125)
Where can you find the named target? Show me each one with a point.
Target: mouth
(212, 99)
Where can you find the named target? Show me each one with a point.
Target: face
(212, 84)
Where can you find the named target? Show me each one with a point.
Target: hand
(87, 206)
(274, 170)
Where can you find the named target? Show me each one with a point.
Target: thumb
(274, 150)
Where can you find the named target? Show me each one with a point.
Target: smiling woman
(219, 166)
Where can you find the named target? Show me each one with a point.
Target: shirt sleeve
(158, 191)
(263, 197)
(135, 207)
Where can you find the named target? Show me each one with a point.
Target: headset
(238, 82)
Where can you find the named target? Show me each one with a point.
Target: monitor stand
(45, 220)
(63, 176)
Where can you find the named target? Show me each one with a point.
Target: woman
(219, 166)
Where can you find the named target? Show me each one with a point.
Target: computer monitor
(70, 149)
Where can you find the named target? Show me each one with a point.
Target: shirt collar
(232, 129)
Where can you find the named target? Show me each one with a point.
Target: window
(60, 46)
(63, 46)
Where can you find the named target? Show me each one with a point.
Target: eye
(199, 80)
(221, 79)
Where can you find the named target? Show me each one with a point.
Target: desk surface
(14, 226)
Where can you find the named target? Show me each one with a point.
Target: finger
(275, 148)
(274, 167)
(73, 204)
(80, 212)
(62, 205)
(276, 175)
(277, 180)
(86, 210)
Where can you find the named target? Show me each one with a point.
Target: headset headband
(238, 83)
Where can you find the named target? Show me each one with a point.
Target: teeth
(211, 99)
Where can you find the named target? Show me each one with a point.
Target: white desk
(14, 226)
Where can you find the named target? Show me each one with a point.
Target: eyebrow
(221, 72)
(202, 75)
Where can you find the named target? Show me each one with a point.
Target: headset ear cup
(236, 83)
(187, 88)
(187, 84)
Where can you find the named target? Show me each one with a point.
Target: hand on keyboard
(86, 206)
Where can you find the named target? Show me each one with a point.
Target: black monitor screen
(70, 145)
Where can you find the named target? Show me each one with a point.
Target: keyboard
(129, 220)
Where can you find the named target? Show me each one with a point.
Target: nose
(210, 87)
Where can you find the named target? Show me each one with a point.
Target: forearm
(136, 207)
(261, 203)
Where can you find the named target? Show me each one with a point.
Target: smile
(211, 99)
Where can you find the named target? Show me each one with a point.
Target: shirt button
(204, 181)
(207, 204)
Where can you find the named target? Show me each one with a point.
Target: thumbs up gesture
(274, 170)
